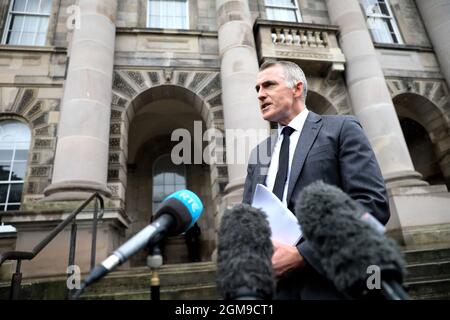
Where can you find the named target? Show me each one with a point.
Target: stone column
(239, 68)
(81, 160)
(370, 96)
(436, 17)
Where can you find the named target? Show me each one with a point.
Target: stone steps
(429, 289)
(428, 280)
(428, 273)
(173, 278)
(39, 289)
(428, 277)
(193, 281)
(429, 270)
(423, 255)
(188, 292)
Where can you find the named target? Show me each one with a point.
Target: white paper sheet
(283, 223)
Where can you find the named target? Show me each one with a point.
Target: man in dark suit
(308, 147)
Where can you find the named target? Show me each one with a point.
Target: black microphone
(348, 247)
(244, 253)
(176, 214)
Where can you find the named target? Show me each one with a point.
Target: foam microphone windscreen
(345, 245)
(244, 267)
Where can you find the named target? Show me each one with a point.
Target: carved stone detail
(168, 73)
(154, 77)
(120, 85)
(39, 171)
(182, 76)
(215, 101)
(43, 143)
(35, 109)
(27, 97)
(137, 78)
(116, 114)
(198, 78)
(211, 87)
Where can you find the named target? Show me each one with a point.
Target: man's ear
(298, 89)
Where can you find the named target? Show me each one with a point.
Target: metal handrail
(29, 255)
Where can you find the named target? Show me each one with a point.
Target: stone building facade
(101, 85)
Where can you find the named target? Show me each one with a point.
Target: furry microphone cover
(345, 244)
(244, 254)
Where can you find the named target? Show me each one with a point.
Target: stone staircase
(428, 277)
(193, 281)
(428, 273)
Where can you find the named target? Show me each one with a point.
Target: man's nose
(261, 94)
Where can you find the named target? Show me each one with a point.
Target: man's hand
(285, 258)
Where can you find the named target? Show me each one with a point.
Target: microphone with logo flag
(176, 214)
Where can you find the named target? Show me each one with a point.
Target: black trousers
(306, 284)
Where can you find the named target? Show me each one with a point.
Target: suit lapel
(309, 133)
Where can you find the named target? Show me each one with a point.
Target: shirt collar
(296, 123)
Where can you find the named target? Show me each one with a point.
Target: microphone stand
(392, 290)
(154, 262)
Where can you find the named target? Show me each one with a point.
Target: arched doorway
(152, 174)
(319, 104)
(422, 151)
(426, 130)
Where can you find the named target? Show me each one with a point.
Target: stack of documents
(283, 223)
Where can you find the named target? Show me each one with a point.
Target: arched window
(167, 178)
(14, 144)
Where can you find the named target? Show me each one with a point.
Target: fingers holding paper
(285, 258)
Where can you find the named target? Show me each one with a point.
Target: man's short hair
(292, 72)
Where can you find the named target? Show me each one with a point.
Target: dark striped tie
(283, 163)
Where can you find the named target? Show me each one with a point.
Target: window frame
(147, 23)
(294, 8)
(27, 14)
(10, 182)
(389, 18)
(155, 207)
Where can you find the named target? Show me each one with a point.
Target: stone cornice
(406, 47)
(301, 25)
(177, 32)
(28, 49)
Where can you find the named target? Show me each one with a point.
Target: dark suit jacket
(333, 149)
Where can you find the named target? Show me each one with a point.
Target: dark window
(167, 178)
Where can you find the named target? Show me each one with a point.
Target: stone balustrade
(314, 47)
(300, 37)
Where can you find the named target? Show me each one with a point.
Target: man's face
(276, 100)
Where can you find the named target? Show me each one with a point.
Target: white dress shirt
(297, 124)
